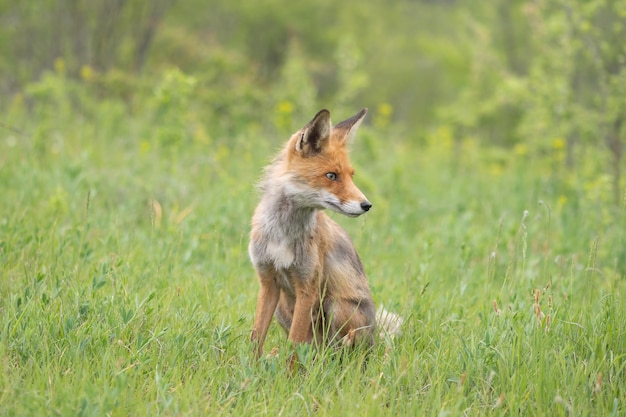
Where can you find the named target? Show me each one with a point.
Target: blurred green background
(132, 134)
(528, 77)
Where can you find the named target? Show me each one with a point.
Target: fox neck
(287, 217)
(286, 208)
(283, 229)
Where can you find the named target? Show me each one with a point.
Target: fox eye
(331, 176)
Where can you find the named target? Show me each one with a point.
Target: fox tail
(388, 323)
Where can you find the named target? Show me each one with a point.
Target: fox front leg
(265, 307)
(301, 330)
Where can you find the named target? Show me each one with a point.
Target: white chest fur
(280, 253)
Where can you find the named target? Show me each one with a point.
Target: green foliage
(491, 155)
(295, 93)
(102, 34)
(126, 287)
(568, 93)
(510, 74)
(172, 97)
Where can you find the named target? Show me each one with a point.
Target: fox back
(311, 277)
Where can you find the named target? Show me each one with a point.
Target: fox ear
(315, 134)
(348, 127)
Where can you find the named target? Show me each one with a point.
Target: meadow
(132, 135)
(126, 289)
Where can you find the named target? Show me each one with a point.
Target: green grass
(125, 287)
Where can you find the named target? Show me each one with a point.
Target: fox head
(319, 167)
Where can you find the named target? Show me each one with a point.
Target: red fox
(311, 277)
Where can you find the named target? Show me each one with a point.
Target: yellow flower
(558, 143)
(383, 115)
(144, 147)
(444, 136)
(59, 65)
(385, 109)
(285, 107)
(520, 149)
(495, 169)
(87, 73)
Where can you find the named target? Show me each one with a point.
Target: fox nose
(366, 205)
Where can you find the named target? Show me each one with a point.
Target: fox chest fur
(302, 247)
(283, 241)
